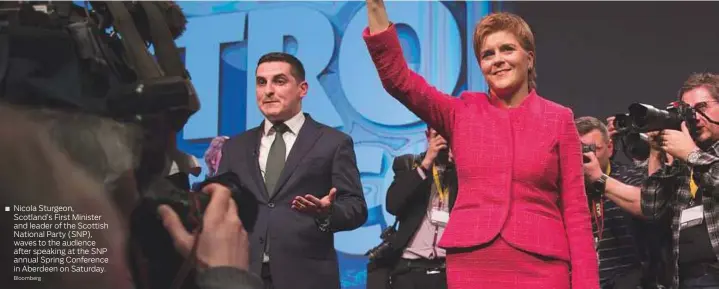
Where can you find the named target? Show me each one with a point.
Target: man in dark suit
(421, 196)
(304, 177)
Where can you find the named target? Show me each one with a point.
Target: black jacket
(408, 197)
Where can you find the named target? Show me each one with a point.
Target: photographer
(670, 189)
(421, 196)
(613, 192)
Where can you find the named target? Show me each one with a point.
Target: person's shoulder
(554, 107)
(330, 132)
(406, 162)
(406, 158)
(555, 113)
(242, 137)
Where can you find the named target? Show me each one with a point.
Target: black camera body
(161, 262)
(646, 118)
(588, 148)
(592, 194)
(384, 251)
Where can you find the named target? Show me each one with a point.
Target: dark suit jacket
(301, 255)
(408, 197)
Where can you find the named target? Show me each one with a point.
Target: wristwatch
(601, 184)
(693, 157)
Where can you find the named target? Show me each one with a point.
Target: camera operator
(613, 192)
(669, 188)
(421, 196)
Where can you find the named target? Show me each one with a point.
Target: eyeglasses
(703, 106)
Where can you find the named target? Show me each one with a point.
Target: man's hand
(592, 169)
(678, 143)
(436, 143)
(223, 241)
(311, 205)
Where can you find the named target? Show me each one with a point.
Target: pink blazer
(520, 169)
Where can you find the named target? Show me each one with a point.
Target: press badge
(691, 217)
(439, 217)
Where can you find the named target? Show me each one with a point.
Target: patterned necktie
(275, 159)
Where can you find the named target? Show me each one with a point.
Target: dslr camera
(644, 118)
(160, 262)
(588, 148)
(383, 251)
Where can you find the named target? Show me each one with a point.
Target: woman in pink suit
(521, 219)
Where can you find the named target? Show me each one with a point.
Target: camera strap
(169, 62)
(135, 49)
(168, 56)
(598, 212)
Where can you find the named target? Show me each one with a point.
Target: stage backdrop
(224, 40)
(596, 58)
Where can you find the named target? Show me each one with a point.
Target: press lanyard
(443, 192)
(599, 211)
(692, 185)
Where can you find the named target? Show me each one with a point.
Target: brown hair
(587, 124)
(708, 80)
(514, 24)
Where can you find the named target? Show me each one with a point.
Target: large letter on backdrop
(202, 58)
(433, 49)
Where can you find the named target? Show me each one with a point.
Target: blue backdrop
(224, 40)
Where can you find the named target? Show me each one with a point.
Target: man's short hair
(296, 68)
(708, 80)
(587, 124)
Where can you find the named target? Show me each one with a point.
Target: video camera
(642, 118)
(94, 60)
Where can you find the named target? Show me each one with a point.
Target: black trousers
(266, 276)
(632, 279)
(419, 274)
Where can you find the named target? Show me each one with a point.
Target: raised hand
(378, 20)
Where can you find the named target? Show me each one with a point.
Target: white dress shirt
(268, 136)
